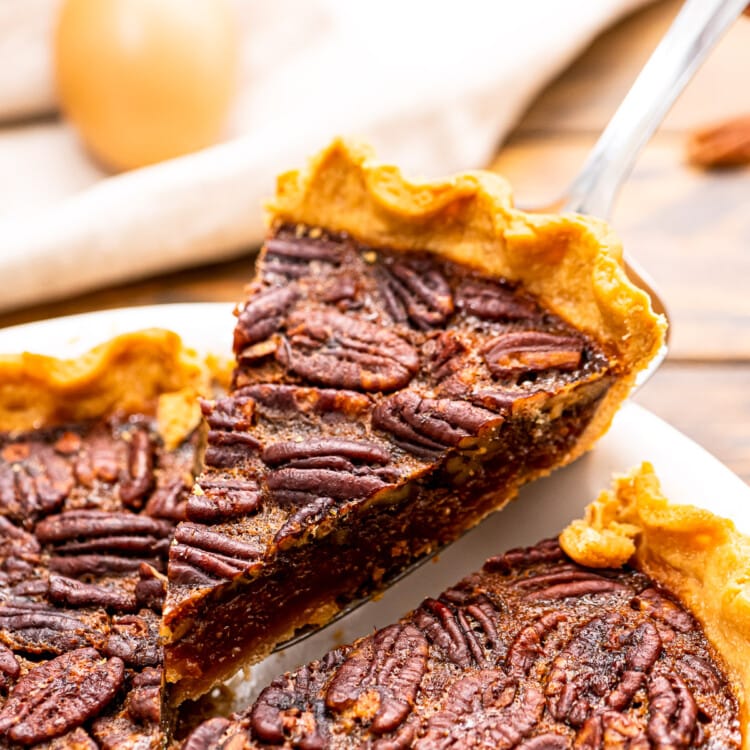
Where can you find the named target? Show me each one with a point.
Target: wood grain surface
(690, 229)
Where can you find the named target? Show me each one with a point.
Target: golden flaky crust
(700, 557)
(147, 372)
(572, 263)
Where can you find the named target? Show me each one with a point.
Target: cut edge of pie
(148, 371)
(698, 556)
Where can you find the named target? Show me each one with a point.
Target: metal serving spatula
(693, 34)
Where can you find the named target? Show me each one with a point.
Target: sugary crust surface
(699, 557)
(148, 372)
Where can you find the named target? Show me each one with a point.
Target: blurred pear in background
(146, 80)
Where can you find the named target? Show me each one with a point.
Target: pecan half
(387, 668)
(426, 426)
(279, 400)
(201, 555)
(415, 289)
(725, 144)
(672, 712)
(99, 459)
(91, 531)
(338, 350)
(324, 467)
(290, 256)
(494, 300)
(73, 593)
(36, 485)
(9, 668)
(483, 709)
(282, 712)
(215, 500)
(206, 735)
(140, 469)
(38, 629)
(603, 666)
(466, 634)
(261, 316)
(135, 640)
(60, 694)
(520, 352)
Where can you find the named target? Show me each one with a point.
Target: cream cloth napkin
(434, 85)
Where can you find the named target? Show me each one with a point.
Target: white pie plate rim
(689, 474)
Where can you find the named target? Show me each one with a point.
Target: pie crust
(699, 557)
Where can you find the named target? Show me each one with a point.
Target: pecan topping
(59, 695)
(415, 290)
(99, 459)
(520, 352)
(548, 741)
(290, 256)
(144, 700)
(280, 400)
(140, 476)
(308, 516)
(591, 673)
(169, 501)
(442, 353)
(135, 639)
(90, 531)
(338, 350)
(9, 668)
(673, 713)
(427, 426)
(567, 581)
(454, 630)
(69, 591)
(483, 709)
(262, 316)
(34, 482)
(354, 450)
(281, 711)
(206, 735)
(527, 645)
(35, 628)
(324, 467)
(663, 610)
(79, 566)
(17, 543)
(611, 729)
(200, 555)
(215, 500)
(388, 669)
(494, 300)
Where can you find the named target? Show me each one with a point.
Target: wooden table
(690, 229)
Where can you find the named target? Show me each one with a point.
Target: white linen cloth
(434, 85)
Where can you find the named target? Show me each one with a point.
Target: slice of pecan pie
(540, 652)
(97, 458)
(408, 355)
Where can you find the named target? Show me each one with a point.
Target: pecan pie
(539, 652)
(408, 355)
(97, 459)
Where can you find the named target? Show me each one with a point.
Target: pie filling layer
(86, 517)
(534, 652)
(382, 404)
